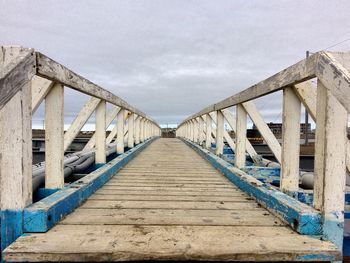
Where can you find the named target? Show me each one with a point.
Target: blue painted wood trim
(43, 215)
(302, 218)
(11, 226)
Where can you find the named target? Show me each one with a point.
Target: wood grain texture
(17, 66)
(126, 223)
(54, 137)
(290, 141)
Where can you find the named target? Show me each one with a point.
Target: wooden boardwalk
(168, 203)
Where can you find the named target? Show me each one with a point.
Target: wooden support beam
(241, 136)
(201, 130)
(335, 75)
(330, 154)
(17, 66)
(142, 127)
(111, 115)
(100, 155)
(195, 130)
(113, 133)
(307, 95)
(219, 133)
(54, 137)
(40, 88)
(290, 142)
(264, 130)
(137, 129)
(15, 163)
(80, 121)
(16, 71)
(120, 133)
(232, 122)
(208, 126)
(131, 130)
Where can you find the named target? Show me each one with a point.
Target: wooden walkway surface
(168, 203)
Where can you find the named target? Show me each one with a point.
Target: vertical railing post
(191, 130)
(137, 130)
(100, 156)
(219, 133)
(54, 137)
(330, 169)
(208, 126)
(241, 134)
(195, 130)
(200, 130)
(120, 132)
(15, 163)
(131, 130)
(290, 142)
(142, 127)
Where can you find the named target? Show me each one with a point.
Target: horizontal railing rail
(328, 104)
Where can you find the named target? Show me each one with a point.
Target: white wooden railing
(27, 78)
(328, 105)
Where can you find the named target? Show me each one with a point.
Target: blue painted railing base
(302, 218)
(43, 215)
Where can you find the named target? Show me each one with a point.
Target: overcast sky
(170, 59)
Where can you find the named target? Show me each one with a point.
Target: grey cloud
(173, 58)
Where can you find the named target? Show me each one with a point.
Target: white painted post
(290, 142)
(219, 133)
(15, 162)
(120, 132)
(241, 135)
(54, 137)
(142, 127)
(137, 130)
(100, 155)
(195, 130)
(330, 156)
(201, 128)
(131, 130)
(208, 131)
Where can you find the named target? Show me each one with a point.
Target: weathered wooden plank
(131, 130)
(120, 132)
(219, 133)
(290, 142)
(171, 217)
(54, 137)
(167, 204)
(335, 76)
(80, 121)
(148, 197)
(130, 243)
(161, 192)
(15, 163)
(330, 157)
(100, 155)
(40, 87)
(17, 66)
(241, 136)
